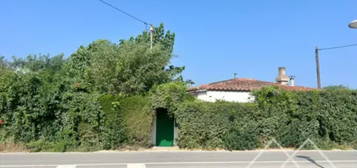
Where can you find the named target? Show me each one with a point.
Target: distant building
(240, 89)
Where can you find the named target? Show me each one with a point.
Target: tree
(88, 99)
(32, 90)
(129, 67)
(166, 39)
(6, 79)
(36, 63)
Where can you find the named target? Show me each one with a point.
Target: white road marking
(171, 163)
(66, 166)
(131, 165)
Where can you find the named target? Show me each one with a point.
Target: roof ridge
(219, 81)
(233, 79)
(245, 84)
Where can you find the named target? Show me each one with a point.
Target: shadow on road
(310, 160)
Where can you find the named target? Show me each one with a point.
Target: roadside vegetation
(97, 98)
(103, 96)
(328, 117)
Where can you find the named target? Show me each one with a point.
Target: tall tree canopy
(129, 67)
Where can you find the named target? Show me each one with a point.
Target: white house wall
(230, 96)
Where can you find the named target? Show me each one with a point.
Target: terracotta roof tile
(245, 84)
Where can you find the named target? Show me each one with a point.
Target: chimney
(291, 80)
(282, 78)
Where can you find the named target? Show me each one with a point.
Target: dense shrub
(113, 133)
(126, 121)
(338, 115)
(328, 117)
(169, 96)
(137, 120)
(241, 139)
(204, 125)
(83, 119)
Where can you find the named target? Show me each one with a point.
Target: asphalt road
(180, 159)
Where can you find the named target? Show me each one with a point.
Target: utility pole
(151, 35)
(133, 17)
(352, 25)
(317, 59)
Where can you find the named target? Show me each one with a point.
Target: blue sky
(214, 39)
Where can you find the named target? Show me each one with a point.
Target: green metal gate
(164, 128)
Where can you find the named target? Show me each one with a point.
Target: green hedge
(70, 119)
(205, 125)
(86, 122)
(328, 117)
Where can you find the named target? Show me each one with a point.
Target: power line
(317, 59)
(133, 17)
(331, 48)
(123, 12)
